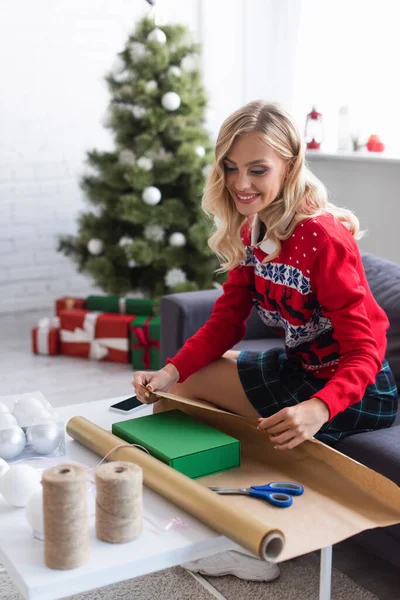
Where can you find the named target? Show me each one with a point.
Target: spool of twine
(65, 515)
(119, 505)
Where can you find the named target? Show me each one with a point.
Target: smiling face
(254, 174)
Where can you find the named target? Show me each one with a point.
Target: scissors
(277, 493)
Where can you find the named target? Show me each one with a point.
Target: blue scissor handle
(283, 487)
(275, 498)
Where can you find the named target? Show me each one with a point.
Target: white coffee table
(154, 550)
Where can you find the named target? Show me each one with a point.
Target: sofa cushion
(384, 280)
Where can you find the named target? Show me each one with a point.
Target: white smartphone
(127, 406)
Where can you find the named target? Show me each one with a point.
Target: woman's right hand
(146, 382)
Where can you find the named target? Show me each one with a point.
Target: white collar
(265, 245)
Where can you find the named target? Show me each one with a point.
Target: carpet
(299, 580)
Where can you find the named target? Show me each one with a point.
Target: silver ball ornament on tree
(118, 66)
(154, 233)
(44, 437)
(125, 241)
(171, 101)
(177, 240)
(200, 151)
(127, 157)
(138, 111)
(12, 442)
(151, 86)
(175, 277)
(132, 263)
(95, 246)
(151, 195)
(174, 71)
(137, 50)
(157, 36)
(145, 163)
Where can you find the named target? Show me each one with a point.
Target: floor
(66, 381)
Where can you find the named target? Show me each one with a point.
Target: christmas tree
(146, 232)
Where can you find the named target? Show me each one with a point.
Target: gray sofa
(183, 314)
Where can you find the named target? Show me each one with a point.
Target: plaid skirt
(272, 382)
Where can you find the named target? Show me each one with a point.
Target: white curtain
(348, 54)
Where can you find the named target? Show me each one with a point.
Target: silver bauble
(44, 437)
(12, 442)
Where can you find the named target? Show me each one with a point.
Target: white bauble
(151, 86)
(132, 263)
(19, 483)
(118, 65)
(7, 420)
(151, 195)
(44, 437)
(122, 77)
(138, 111)
(189, 63)
(107, 119)
(95, 246)
(177, 239)
(127, 157)
(12, 442)
(27, 409)
(145, 163)
(157, 35)
(174, 71)
(154, 233)
(3, 467)
(171, 101)
(200, 151)
(34, 513)
(137, 50)
(4, 408)
(175, 277)
(125, 241)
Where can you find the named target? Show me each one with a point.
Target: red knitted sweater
(315, 293)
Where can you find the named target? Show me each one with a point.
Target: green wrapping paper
(120, 305)
(145, 343)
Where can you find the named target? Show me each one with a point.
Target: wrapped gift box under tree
(121, 305)
(95, 335)
(145, 343)
(46, 337)
(68, 303)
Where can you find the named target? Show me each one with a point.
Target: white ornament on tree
(171, 101)
(125, 241)
(151, 195)
(175, 277)
(138, 111)
(200, 151)
(174, 71)
(154, 233)
(137, 51)
(132, 263)
(177, 239)
(95, 246)
(123, 77)
(189, 63)
(145, 163)
(127, 157)
(151, 86)
(157, 36)
(118, 66)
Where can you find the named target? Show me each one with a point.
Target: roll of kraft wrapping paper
(256, 536)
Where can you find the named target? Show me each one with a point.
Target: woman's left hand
(293, 425)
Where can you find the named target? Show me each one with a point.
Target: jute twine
(66, 528)
(119, 505)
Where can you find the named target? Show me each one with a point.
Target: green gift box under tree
(145, 342)
(121, 305)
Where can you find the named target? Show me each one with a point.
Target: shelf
(362, 156)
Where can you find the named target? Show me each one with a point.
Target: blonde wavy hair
(302, 195)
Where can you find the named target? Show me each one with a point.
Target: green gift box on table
(145, 343)
(121, 305)
(185, 444)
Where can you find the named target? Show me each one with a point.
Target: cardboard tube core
(272, 546)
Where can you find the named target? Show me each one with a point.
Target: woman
(293, 255)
